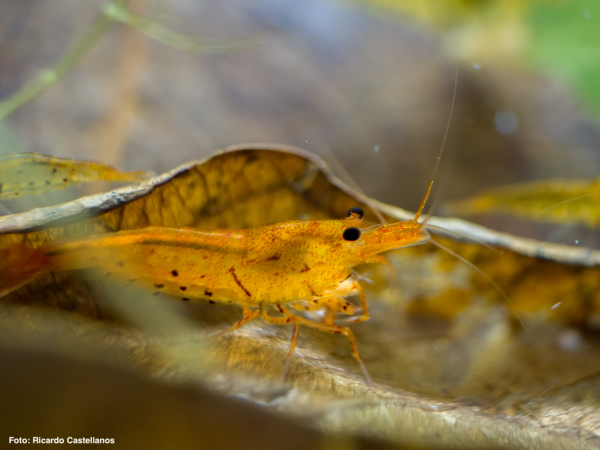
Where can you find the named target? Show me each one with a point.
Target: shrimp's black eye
(351, 234)
(356, 211)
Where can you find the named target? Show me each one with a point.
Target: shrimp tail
(20, 264)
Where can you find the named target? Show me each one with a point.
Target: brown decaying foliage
(441, 342)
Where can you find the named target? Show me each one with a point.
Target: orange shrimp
(302, 264)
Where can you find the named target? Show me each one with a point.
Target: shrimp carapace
(280, 263)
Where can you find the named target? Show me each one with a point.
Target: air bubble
(506, 123)
(569, 340)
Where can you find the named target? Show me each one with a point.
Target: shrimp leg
(249, 314)
(363, 303)
(338, 329)
(284, 321)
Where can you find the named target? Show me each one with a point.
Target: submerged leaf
(24, 174)
(442, 342)
(557, 201)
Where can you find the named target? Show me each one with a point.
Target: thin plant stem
(172, 38)
(50, 76)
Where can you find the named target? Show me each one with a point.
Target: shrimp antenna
(424, 223)
(5, 209)
(439, 158)
(482, 273)
(464, 236)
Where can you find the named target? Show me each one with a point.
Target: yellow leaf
(557, 201)
(24, 174)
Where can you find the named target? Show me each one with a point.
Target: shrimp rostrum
(301, 265)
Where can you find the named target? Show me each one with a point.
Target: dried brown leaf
(451, 364)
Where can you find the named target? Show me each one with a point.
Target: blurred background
(366, 84)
